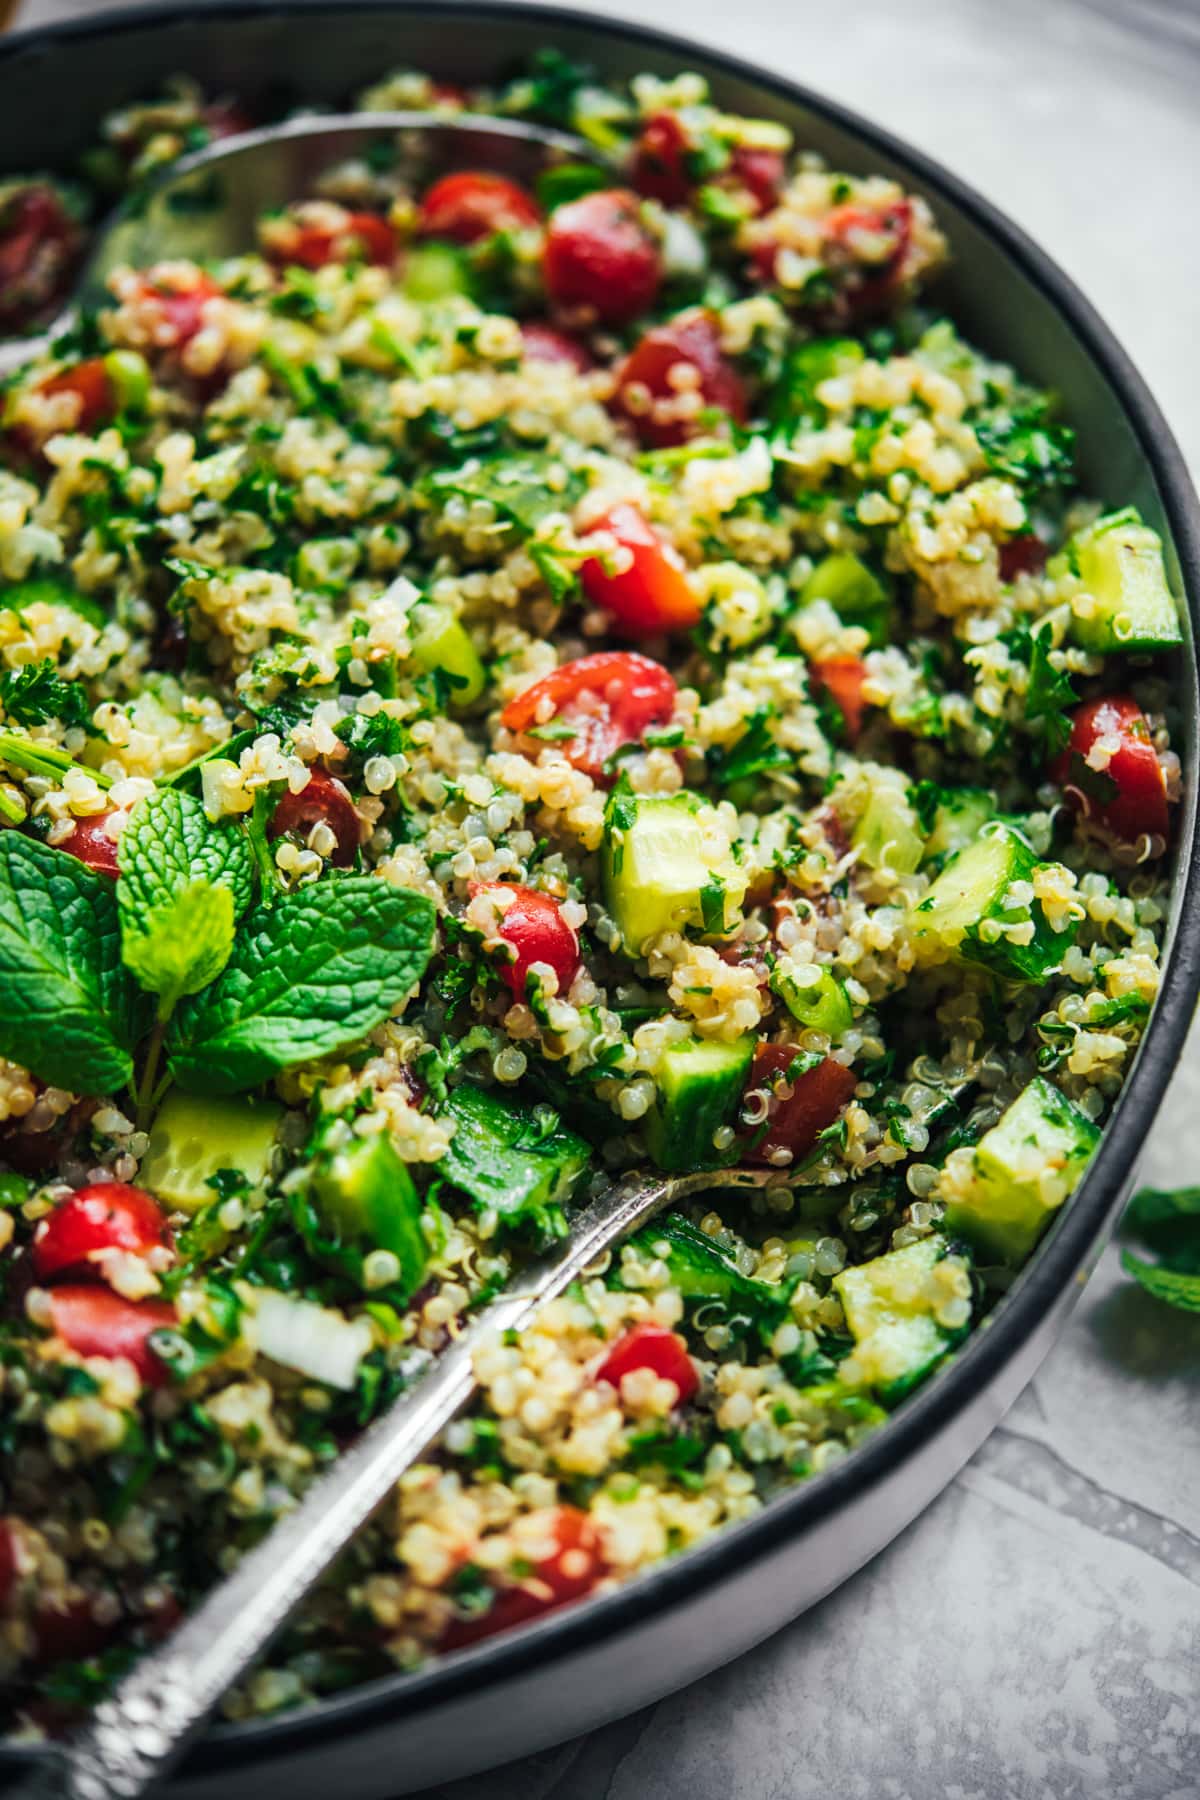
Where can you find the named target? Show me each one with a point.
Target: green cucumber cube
(856, 594)
(435, 271)
(1025, 1167)
(888, 835)
(666, 869)
(365, 1199)
(959, 819)
(1119, 562)
(440, 643)
(194, 1137)
(700, 1083)
(814, 996)
(890, 1315)
(980, 909)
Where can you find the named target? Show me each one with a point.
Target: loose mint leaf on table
(182, 884)
(1167, 1221)
(69, 1011)
(307, 978)
(1178, 1287)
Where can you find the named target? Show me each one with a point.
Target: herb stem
(44, 759)
(150, 1089)
(12, 807)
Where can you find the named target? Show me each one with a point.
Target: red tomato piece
(542, 343)
(653, 593)
(1024, 555)
(107, 1215)
(1123, 789)
(447, 93)
(10, 1561)
(796, 1110)
(761, 173)
(570, 1570)
(323, 802)
(68, 1632)
(660, 160)
(532, 924)
(651, 1347)
(875, 240)
(226, 119)
(91, 843)
(91, 385)
(39, 245)
(842, 678)
(677, 365)
(610, 698)
(359, 237)
(180, 307)
(475, 204)
(96, 1322)
(599, 255)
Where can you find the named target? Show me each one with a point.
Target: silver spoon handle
(136, 1735)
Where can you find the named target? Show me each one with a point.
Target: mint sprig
(183, 882)
(308, 978)
(70, 1011)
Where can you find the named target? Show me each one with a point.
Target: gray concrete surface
(1034, 1635)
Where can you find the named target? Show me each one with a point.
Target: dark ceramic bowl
(596, 1661)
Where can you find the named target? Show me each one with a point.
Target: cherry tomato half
(226, 119)
(599, 255)
(67, 1631)
(92, 387)
(324, 801)
(568, 1571)
(532, 925)
(653, 593)
(475, 204)
(1123, 788)
(175, 306)
(761, 172)
(542, 343)
(660, 160)
(1024, 555)
(107, 1215)
(94, 1321)
(673, 373)
(92, 845)
(651, 1347)
(356, 237)
(39, 245)
(796, 1110)
(842, 679)
(876, 240)
(610, 699)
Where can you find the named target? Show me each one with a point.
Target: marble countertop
(1034, 1635)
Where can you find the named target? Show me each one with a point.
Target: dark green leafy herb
(755, 753)
(35, 693)
(308, 978)
(523, 489)
(1166, 1221)
(1022, 442)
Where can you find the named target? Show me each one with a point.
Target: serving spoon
(138, 1733)
(205, 206)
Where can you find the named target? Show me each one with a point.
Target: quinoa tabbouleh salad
(501, 686)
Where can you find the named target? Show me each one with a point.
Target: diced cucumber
(129, 373)
(1119, 562)
(362, 1199)
(972, 914)
(665, 869)
(434, 272)
(193, 1138)
(814, 996)
(699, 1085)
(888, 835)
(513, 1158)
(441, 643)
(959, 819)
(889, 1312)
(856, 594)
(1026, 1166)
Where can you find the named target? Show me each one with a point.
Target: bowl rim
(1059, 1260)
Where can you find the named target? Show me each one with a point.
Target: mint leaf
(69, 1010)
(169, 843)
(307, 978)
(181, 945)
